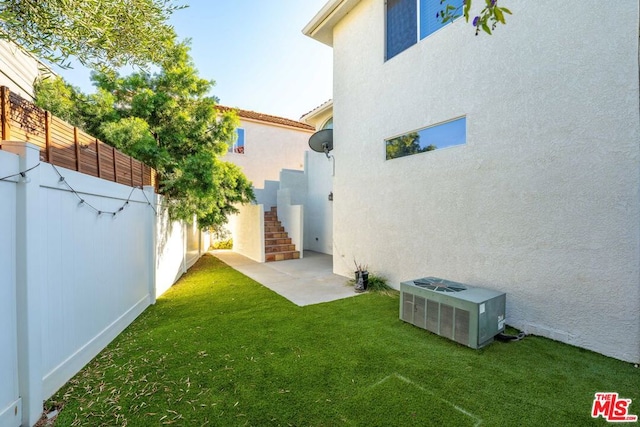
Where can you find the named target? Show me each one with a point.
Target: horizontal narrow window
(432, 138)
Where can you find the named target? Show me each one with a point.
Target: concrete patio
(305, 281)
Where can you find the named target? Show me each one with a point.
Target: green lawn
(219, 349)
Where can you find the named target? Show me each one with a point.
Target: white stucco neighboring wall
(247, 230)
(291, 215)
(268, 149)
(318, 219)
(543, 200)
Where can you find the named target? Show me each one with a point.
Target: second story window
(238, 145)
(408, 21)
(401, 26)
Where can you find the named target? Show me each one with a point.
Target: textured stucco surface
(268, 150)
(318, 218)
(543, 200)
(247, 230)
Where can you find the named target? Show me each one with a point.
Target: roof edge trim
(321, 26)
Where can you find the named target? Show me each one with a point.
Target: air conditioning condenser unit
(469, 315)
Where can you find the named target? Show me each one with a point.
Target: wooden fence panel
(136, 171)
(26, 119)
(88, 154)
(62, 150)
(123, 168)
(148, 175)
(106, 162)
(65, 145)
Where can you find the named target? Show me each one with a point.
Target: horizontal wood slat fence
(64, 145)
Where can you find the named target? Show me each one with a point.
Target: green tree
(67, 102)
(168, 121)
(98, 33)
(488, 19)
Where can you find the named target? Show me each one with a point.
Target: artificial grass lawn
(219, 349)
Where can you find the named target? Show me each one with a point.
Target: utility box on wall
(469, 315)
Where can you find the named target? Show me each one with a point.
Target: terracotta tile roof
(252, 115)
(318, 108)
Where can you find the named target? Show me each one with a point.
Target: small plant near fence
(223, 244)
(220, 237)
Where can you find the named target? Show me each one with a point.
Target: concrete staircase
(277, 243)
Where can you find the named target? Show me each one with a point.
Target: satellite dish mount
(322, 142)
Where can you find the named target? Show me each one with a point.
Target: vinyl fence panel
(10, 404)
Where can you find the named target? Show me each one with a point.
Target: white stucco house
(269, 150)
(508, 161)
(19, 69)
(265, 145)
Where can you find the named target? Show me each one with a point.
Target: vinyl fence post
(28, 282)
(153, 241)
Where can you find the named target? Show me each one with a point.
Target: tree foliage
(168, 121)
(488, 19)
(99, 33)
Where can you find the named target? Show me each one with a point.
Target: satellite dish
(322, 141)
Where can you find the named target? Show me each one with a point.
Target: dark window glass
(402, 31)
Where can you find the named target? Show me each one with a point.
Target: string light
(24, 178)
(23, 175)
(83, 202)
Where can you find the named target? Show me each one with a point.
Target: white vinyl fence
(80, 259)
(10, 404)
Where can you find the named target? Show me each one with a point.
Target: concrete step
(275, 235)
(270, 241)
(282, 256)
(278, 245)
(279, 248)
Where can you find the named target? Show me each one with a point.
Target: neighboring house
(320, 117)
(19, 70)
(537, 191)
(267, 149)
(264, 146)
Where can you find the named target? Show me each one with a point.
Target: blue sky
(256, 53)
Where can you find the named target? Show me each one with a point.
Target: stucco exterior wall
(543, 200)
(269, 149)
(318, 219)
(247, 230)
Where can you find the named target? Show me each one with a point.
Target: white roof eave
(321, 26)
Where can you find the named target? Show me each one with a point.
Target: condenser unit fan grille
(439, 285)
